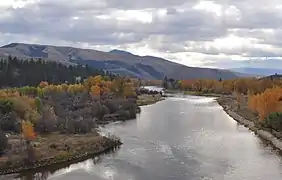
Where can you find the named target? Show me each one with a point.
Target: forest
(15, 72)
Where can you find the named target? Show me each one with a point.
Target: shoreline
(58, 159)
(263, 134)
(109, 144)
(145, 100)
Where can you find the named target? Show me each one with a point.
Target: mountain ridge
(257, 71)
(115, 61)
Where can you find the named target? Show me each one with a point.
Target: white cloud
(193, 32)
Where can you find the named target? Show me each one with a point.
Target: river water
(180, 138)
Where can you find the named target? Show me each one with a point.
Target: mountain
(115, 61)
(257, 71)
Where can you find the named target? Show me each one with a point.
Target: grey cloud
(130, 4)
(53, 18)
(258, 63)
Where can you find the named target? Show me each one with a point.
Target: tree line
(16, 72)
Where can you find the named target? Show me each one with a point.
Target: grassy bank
(245, 117)
(148, 99)
(202, 94)
(54, 149)
(192, 93)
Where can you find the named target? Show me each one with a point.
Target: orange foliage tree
(96, 91)
(29, 135)
(28, 130)
(266, 102)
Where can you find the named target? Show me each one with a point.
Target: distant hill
(272, 77)
(257, 71)
(115, 61)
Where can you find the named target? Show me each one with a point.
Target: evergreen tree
(17, 73)
(165, 83)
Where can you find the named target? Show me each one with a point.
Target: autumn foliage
(43, 84)
(264, 95)
(241, 85)
(95, 91)
(28, 131)
(267, 102)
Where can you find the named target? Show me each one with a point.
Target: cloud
(193, 32)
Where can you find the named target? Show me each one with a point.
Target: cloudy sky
(216, 33)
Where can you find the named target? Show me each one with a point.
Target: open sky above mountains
(216, 33)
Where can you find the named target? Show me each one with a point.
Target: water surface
(181, 138)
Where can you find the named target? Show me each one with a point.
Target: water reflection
(179, 138)
(61, 169)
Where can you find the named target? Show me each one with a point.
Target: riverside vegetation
(52, 123)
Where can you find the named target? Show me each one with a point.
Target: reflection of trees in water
(43, 175)
(36, 176)
(112, 152)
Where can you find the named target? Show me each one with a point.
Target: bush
(10, 122)
(113, 105)
(6, 106)
(274, 121)
(47, 122)
(3, 142)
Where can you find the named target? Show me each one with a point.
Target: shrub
(274, 121)
(113, 105)
(6, 106)
(47, 122)
(9, 122)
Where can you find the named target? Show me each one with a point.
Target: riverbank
(201, 94)
(245, 117)
(148, 99)
(55, 149)
(193, 93)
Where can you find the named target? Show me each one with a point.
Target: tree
(165, 83)
(266, 103)
(43, 84)
(129, 91)
(3, 142)
(117, 86)
(95, 91)
(29, 135)
(28, 131)
(239, 99)
(47, 123)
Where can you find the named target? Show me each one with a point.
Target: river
(180, 138)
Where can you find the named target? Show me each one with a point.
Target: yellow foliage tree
(129, 91)
(95, 91)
